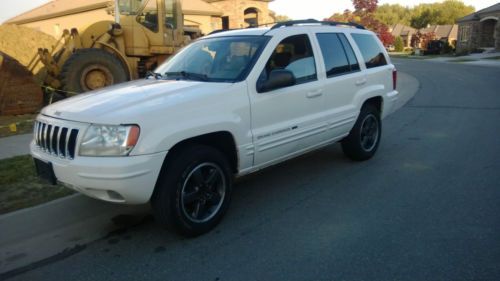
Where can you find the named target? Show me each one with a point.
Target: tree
(398, 44)
(446, 12)
(393, 14)
(364, 15)
(419, 39)
(365, 6)
(281, 18)
(425, 19)
(347, 16)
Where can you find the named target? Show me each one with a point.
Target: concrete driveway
(425, 208)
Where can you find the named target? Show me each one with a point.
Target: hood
(124, 101)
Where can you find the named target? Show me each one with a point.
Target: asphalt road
(427, 207)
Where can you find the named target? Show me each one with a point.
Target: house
(207, 15)
(446, 33)
(480, 30)
(403, 31)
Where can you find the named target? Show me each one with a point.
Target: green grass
(24, 124)
(21, 188)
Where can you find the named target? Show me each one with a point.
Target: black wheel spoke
(369, 132)
(214, 198)
(198, 177)
(212, 177)
(201, 210)
(203, 192)
(191, 197)
(196, 210)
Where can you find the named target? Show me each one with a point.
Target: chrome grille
(56, 140)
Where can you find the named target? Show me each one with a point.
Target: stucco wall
(55, 26)
(207, 24)
(234, 9)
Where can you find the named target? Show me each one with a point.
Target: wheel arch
(223, 141)
(376, 101)
(220, 140)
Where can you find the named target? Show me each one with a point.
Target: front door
(289, 119)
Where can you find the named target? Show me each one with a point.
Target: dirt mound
(19, 92)
(22, 43)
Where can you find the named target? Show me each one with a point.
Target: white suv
(227, 105)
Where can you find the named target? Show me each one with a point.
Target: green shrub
(398, 44)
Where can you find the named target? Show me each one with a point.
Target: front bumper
(129, 180)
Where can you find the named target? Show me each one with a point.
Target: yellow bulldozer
(143, 34)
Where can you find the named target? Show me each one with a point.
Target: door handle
(314, 94)
(361, 82)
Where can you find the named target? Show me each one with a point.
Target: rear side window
(370, 49)
(337, 53)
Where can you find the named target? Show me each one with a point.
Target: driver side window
(149, 15)
(294, 55)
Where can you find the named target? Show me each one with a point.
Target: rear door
(378, 68)
(343, 80)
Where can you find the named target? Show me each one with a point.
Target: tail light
(394, 78)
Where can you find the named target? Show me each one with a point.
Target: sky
(296, 9)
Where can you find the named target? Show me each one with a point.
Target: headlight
(109, 140)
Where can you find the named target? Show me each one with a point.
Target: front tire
(91, 69)
(364, 138)
(194, 192)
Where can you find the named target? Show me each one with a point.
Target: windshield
(222, 59)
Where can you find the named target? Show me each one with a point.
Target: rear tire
(91, 69)
(194, 190)
(364, 138)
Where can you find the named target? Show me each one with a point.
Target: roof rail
(313, 21)
(221, 30)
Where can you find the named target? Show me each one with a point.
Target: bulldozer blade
(19, 93)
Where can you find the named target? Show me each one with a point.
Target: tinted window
(294, 54)
(370, 49)
(335, 54)
(353, 61)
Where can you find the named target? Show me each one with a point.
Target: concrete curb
(33, 234)
(407, 86)
(15, 145)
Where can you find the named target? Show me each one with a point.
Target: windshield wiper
(154, 74)
(187, 75)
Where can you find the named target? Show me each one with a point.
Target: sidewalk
(15, 145)
(482, 59)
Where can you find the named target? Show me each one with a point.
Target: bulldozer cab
(151, 27)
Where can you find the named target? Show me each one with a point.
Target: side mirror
(279, 78)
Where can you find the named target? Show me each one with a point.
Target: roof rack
(313, 21)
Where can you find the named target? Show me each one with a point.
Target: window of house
(251, 17)
(370, 49)
(225, 23)
(296, 55)
(339, 58)
(465, 33)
